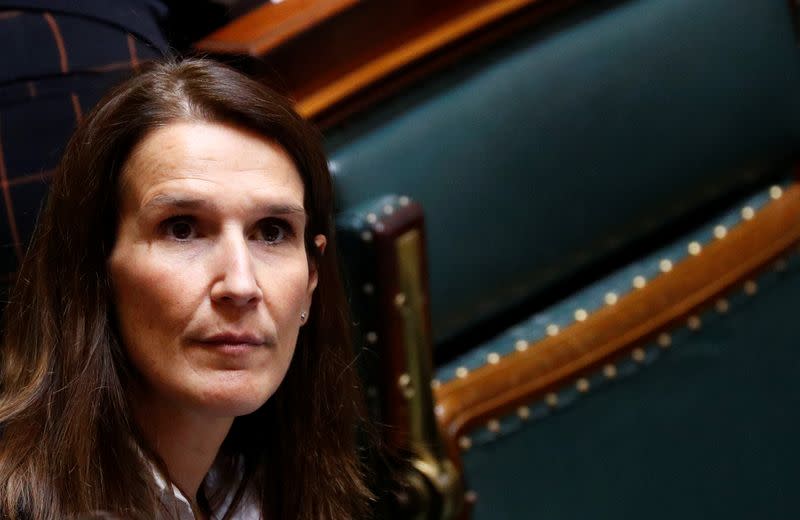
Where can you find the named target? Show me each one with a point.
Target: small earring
(303, 317)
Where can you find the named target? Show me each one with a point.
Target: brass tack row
(663, 340)
(694, 323)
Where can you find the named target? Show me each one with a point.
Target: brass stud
(582, 385)
(664, 340)
(610, 371)
(694, 248)
(665, 265)
(366, 236)
(435, 384)
(781, 264)
(776, 192)
(470, 497)
(581, 315)
(611, 298)
(388, 209)
(748, 213)
(720, 231)
(639, 281)
(399, 299)
(368, 288)
(493, 358)
(372, 337)
(722, 305)
(524, 413)
(638, 355)
(372, 218)
(462, 372)
(438, 410)
(404, 380)
(694, 322)
(552, 329)
(493, 426)
(465, 443)
(521, 345)
(750, 287)
(551, 399)
(409, 392)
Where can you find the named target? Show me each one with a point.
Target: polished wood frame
(665, 302)
(270, 25)
(337, 57)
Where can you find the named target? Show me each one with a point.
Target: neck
(187, 443)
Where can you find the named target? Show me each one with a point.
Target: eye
(180, 228)
(272, 231)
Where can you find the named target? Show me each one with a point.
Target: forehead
(210, 159)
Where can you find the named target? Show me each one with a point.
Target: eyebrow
(172, 201)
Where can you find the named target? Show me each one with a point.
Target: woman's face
(209, 269)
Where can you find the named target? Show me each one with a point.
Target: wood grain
(262, 29)
(338, 57)
(411, 50)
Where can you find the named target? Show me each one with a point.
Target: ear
(319, 242)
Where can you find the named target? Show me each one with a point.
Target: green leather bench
(585, 167)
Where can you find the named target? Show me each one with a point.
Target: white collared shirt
(176, 502)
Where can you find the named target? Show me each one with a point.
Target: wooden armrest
(503, 385)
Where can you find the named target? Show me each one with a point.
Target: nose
(235, 282)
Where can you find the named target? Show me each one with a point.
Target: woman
(176, 345)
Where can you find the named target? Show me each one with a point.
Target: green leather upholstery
(558, 150)
(705, 428)
(708, 431)
(552, 151)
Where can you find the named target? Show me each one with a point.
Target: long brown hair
(67, 441)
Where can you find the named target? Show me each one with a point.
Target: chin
(227, 400)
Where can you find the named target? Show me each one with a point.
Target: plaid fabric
(53, 68)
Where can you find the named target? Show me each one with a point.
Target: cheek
(150, 298)
(286, 291)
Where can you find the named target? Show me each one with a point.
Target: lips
(232, 338)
